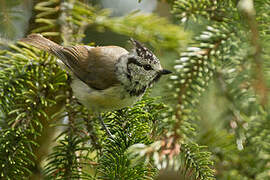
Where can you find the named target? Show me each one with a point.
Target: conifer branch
(150, 137)
(46, 19)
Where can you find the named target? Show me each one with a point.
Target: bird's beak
(165, 71)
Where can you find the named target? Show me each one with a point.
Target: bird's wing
(95, 66)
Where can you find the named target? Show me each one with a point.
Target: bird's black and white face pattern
(142, 69)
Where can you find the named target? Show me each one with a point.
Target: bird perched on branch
(105, 78)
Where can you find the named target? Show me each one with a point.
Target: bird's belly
(109, 99)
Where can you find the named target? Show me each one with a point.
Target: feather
(95, 66)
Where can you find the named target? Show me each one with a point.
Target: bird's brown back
(94, 65)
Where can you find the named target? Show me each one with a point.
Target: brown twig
(259, 83)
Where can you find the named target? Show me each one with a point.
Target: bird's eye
(147, 67)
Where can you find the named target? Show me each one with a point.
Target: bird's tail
(42, 43)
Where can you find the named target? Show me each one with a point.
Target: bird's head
(142, 67)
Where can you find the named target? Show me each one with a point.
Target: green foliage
(30, 90)
(211, 10)
(214, 126)
(129, 126)
(29, 96)
(10, 16)
(192, 161)
(68, 159)
(46, 18)
(235, 61)
(16, 155)
(196, 160)
(144, 27)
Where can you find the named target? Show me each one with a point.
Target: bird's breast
(112, 98)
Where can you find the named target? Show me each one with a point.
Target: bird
(105, 78)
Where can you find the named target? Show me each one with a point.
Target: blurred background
(15, 16)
